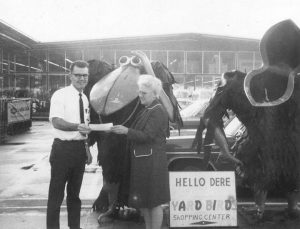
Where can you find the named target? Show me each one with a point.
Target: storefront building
(32, 69)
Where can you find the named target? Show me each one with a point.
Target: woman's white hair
(151, 82)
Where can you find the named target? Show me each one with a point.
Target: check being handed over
(101, 127)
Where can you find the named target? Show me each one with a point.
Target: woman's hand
(118, 129)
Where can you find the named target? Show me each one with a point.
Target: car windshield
(194, 110)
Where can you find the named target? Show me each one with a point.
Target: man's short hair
(79, 64)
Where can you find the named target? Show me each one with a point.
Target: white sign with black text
(18, 110)
(205, 199)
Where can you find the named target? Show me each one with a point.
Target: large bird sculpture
(113, 95)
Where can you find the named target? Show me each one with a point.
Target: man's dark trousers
(67, 161)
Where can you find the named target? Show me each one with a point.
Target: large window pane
(1, 59)
(6, 88)
(57, 61)
(190, 81)
(176, 61)
(22, 62)
(38, 86)
(194, 62)
(37, 61)
(92, 53)
(227, 61)
(245, 61)
(211, 62)
(56, 82)
(12, 59)
(71, 56)
(108, 56)
(5, 62)
(179, 78)
(206, 81)
(160, 56)
(22, 86)
(258, 60)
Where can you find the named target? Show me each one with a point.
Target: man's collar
(75, 90)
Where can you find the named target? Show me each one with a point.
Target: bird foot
(294, 212)
(259, 214)
(106, 217)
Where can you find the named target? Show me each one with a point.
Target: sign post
(206, 199)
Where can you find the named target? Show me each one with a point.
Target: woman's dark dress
(149, 179)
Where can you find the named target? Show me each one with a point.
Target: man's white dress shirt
(65, 105)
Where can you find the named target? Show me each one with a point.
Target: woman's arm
(162, 96)
(154, 124)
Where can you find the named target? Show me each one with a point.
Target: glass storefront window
(57, 61)
(4, 61)
(258, 60)
(194, 62)
(245, 61)
(160, 56)
(37, 61)
(38, 86)
(6, 88)
(176, 61)
(190, 81)
(12, 59)
(22, 86)
(91, 54)
(211, 62)
(73, 55)
(1, 57)
(206, 81)
(56, 82)
(227, 61)
(22, 64)
(179, 78)
(108, 56)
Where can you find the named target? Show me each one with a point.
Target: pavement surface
(24, 182)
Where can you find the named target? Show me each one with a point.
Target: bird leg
(260, 197)
(292, 199)
(112, 189)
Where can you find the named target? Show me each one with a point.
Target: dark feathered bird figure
(111, 147)
(269, 153)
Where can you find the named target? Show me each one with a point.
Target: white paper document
(101, 127)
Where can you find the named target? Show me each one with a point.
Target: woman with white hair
(149, 180)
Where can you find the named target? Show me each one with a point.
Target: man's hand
(84, 129)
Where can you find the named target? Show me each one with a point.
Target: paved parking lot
(25, 174)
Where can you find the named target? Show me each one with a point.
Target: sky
(64, 20)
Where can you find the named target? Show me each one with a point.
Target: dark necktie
(81, 108)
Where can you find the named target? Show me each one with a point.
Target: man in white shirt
(69, 115)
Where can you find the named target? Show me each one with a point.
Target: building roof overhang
(115, 42)
(12, 38)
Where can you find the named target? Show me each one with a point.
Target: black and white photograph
(149, 114)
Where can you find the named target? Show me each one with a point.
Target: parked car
(180, 154)
(182, 158)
